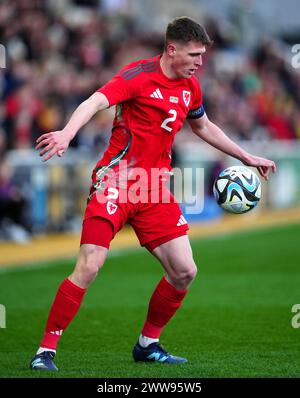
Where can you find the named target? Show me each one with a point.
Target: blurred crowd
(59, 52)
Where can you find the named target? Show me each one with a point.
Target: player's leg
(177, 260)
(161, 228)
(72, 290)
(90, 259)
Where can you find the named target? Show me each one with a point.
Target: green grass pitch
(235, 321)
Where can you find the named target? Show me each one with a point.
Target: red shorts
(154, 223)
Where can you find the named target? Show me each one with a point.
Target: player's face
(187, 58)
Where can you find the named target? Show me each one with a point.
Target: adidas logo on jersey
(157, 94)
(181, 221)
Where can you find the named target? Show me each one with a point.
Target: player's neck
(166, 68)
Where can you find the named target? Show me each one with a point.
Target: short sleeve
(120, 88)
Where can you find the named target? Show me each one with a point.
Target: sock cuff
(170, 291)
(71, 289)
(50, 340)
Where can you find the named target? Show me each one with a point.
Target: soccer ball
(237, 189)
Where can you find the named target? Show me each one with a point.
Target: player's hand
(263, 165)
(54, 143)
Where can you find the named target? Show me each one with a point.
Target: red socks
(164, 302)
(63, 310)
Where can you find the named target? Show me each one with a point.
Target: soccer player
(153, 97)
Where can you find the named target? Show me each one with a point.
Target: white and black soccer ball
(237, 189)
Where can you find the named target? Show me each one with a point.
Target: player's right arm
(57, 142)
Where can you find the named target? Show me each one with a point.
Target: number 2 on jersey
(164, 124)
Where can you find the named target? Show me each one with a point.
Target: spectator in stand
(13, 224)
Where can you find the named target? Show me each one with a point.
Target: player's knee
(192, 272)
(189, 274)
(91, 268)
(93, 262)
(183, 277)
(90, 260)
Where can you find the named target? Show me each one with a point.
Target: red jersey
(151, 109)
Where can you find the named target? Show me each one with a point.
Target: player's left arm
(216, 137)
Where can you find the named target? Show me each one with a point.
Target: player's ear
(171, 49)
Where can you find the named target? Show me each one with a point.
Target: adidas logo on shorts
(181, 221)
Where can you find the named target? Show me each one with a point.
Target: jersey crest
(186, 95)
